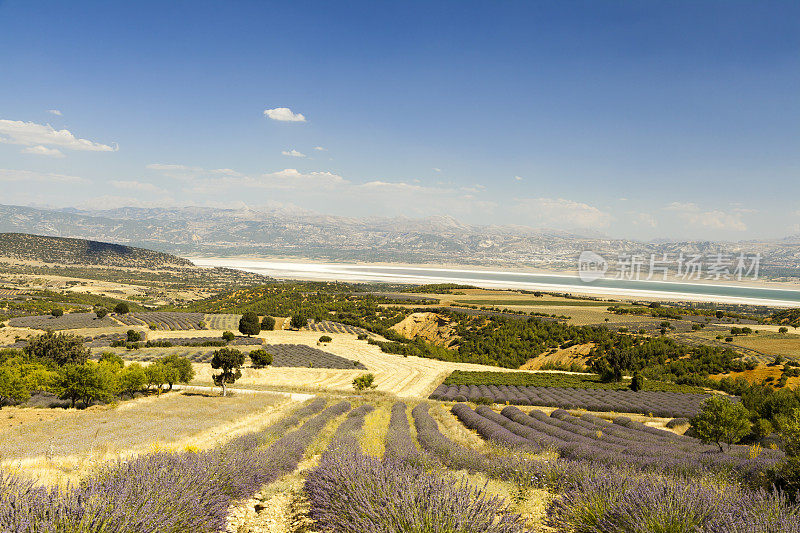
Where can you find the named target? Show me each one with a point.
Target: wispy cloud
(712, 218)
(293, 153)
(560, 212)
(518, 178)
(320, 149)
(284, 114)
(133, 185)
(28, 176)
(32, 134)
(55, 112)
(43, 150)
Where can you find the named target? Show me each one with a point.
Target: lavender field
(615, 476)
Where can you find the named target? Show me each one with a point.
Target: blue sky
(632, 119)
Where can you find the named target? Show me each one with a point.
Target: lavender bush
(353, 492)
(162, 491)
(399, 441)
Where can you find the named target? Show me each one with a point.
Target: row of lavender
(617, 498)
(350, 492)
(165, 491)
(623, 441)
(663, 404)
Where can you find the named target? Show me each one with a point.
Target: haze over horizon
(675, 120)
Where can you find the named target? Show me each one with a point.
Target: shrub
(325, 338)
(58, 348)
(364, 381)
(228, 336)
(101, 312)
(677, 422)
(133, 335)
(362, 336)
(57, 312)
(260, 358)
(268, 323)
(121, 308)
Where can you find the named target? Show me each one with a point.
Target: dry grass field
(57, 445)
(407, 377)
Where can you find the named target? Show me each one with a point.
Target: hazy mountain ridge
(438, 239)
(61, 250)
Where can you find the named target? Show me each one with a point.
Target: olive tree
(229, 362)
(182, 370)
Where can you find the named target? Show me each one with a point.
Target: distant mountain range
(227, 232)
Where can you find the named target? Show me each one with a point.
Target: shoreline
(420, 274)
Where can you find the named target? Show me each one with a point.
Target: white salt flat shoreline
(321, 271)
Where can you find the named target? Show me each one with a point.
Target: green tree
(364, 381)
(132, 379)
(88, 382)
(260, 358)
(229, 362)
(13, 387)
(298, 321)
(228, 336)
(325, 338)
(133, 335)
(157, 375)
(121, 308)
(57, 312)
(58, 348)
(787, 472)
(112, 358)
(249, 324)
(101, 312)
(637, 382)
(783, 329)
(183, 372)
(268, 323)
(721, 420)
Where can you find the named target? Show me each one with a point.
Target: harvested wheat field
(407, 377)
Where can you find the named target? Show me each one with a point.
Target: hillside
(61, 250)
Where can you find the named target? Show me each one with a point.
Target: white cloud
(284, 114)
(435, 169)
(293, 153)
(43, 150)
(32, 134)
(393, 186)
(518, 178)
(644, 219)
(28, 176)
(136, 186)
(693, 215)
(55, 112)
(561, 212)
(291, 178)
(320, 149)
